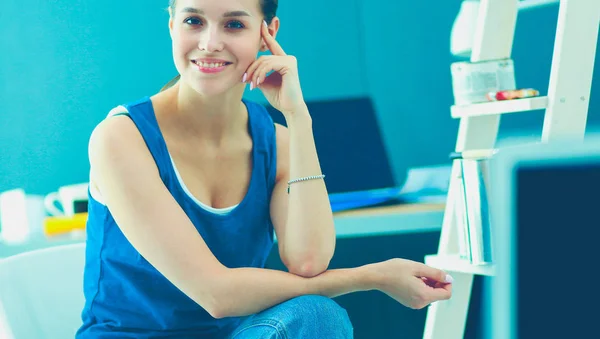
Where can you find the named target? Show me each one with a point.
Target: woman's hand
(413, 284)
(282, 87)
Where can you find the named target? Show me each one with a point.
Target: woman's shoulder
(160, 99)
(114, 141)
(259, 112)
(118, 126)
(124, 108)
(118, 110)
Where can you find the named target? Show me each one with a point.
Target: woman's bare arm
(149, 217)
(302, 219)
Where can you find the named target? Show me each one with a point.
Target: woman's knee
(321, 311)
(318, 305)
(309, 316)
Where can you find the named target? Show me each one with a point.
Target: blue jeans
(304, 317)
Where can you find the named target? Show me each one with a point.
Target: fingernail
(265, 23)
(245, 77)
(449, 279)
(257, 82)
(251, 85)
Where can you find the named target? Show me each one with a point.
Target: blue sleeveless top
(125, 296)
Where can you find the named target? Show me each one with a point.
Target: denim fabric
(304, 317)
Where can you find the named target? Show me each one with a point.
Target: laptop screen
(557, 237)
(349, 144)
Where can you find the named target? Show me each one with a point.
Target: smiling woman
(268, 8)
(188, 187)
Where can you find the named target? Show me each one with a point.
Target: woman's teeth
(210, 65)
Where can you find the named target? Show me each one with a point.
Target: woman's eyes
(193, 21)
(234, 24)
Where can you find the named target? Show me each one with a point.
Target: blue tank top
(128, 298)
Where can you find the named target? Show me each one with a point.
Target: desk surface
(392, 210)
(398, 219)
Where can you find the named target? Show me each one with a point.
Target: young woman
(188, 186)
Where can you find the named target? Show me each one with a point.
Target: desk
(399, 219)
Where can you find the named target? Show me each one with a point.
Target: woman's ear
(171, 22)
(273, 29)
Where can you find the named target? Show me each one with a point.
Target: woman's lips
(211, 67)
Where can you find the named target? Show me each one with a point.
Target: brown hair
(269, 9)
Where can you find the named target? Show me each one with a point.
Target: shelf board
(455, 264)
(533, 4)
(499, 107)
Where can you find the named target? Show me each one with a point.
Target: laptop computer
(351, 152)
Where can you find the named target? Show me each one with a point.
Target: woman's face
(215, 41)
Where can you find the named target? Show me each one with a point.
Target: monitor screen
(349, 143)
(557, 250)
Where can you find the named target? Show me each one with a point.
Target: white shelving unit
(454, 263)
(566, 108)
(499, 107)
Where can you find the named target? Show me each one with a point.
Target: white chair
(41, 293)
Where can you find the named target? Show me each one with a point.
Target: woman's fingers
(440, 292)
(272, 44)
(433, 274)
(434, 291)
(261, 73)
(257, 72)
(250, 75)
(430, 282)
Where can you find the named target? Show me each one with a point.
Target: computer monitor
(545, 210)
(350, 145)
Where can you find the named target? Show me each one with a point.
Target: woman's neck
(211, 119)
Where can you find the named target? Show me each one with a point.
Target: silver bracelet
(312, 177)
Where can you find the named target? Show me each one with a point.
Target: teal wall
(407, 57)
(66, 63)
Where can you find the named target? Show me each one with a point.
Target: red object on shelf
(513, 94)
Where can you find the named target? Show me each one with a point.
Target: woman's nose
(211, 40)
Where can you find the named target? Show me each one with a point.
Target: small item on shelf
(61, 225)
(472, 81)
(512, 94)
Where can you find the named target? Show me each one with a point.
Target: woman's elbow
(308, 268)
(218, 313)
(224, 306)
(216, 298)
(214, 305)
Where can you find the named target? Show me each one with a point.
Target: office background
(66, 63)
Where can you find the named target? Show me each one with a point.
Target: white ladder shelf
(566, 108)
